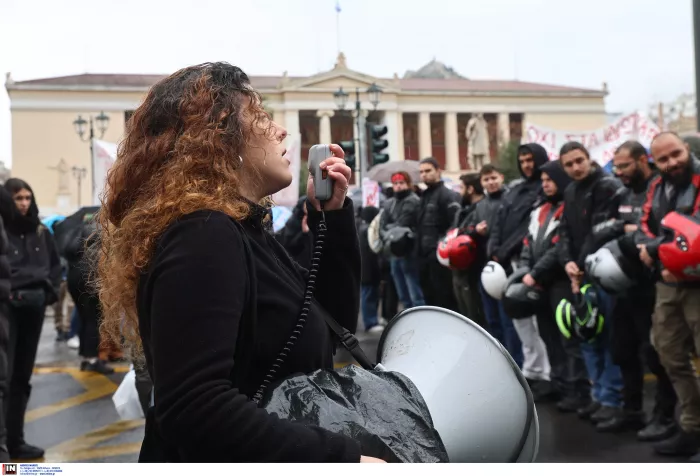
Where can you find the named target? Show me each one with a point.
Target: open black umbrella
(66, 230)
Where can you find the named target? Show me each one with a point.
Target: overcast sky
(642, 48)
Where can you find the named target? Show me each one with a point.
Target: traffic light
(378, 144)
(348, 147)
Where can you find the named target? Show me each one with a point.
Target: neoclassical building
(426, 113)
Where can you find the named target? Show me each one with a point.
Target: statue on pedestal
(477, 135)
(63, 177)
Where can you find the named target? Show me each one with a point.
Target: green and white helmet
(582, 318)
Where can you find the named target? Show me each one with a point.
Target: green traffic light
(380, 159)
(348, 147)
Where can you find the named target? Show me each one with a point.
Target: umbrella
(65, 230)
(52, 220)
(383, 172)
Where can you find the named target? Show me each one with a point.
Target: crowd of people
(540, 230)
(190, 279)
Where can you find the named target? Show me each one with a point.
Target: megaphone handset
(323, 191)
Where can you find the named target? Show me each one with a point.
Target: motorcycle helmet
(456, 251)
(582, 318)
(494, 279)
(519, 300)
(400, 240)
(680, 255)
(610, 269)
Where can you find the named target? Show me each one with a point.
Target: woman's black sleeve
(338, 281)
(195, 296)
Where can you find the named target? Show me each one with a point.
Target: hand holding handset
(323, 183)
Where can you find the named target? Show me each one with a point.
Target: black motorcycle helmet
(400, 240)
(519, 300)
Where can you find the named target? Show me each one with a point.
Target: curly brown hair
(181, 153)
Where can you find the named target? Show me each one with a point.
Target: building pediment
(339, 76)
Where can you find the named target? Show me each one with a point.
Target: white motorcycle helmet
(610, 269)
(494, 280)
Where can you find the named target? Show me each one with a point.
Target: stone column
(503, 128)
(394, 134)
(425, 141)
(400, 145)
(451, 142)
(291, 123)
(324, 132)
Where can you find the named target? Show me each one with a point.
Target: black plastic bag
(383, 411)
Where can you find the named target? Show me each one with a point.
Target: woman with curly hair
(185, 223)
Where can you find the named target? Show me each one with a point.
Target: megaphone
(479, 400)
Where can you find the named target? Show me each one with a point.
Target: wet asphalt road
(71, 414)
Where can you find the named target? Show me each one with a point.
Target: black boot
(682, 443)
(695, 459)
(605, 413)
(24, 451)
(544, 392)
(586, 412)
(571, 404)
(4, 454)
(658, 429)
(99, 366)
(626, 420)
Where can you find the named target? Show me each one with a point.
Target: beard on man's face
(679, 174)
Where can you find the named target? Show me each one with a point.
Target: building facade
(426, 113)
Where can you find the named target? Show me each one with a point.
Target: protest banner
(601, 143)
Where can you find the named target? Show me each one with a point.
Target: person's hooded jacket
(510, 226)
(539, 251)
(32, 255)
(588, 203)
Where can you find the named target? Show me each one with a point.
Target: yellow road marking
(83, 446)
(102, 452)
(96, 386)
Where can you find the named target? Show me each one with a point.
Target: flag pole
(337, 24)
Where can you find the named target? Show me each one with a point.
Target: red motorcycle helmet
(456, 251)
(680, 255)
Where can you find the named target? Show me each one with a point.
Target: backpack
(376, 243)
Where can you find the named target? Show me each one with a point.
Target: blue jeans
(501, 326)
(407, 281)
(370, 304)
(74, 323)
(605, 375)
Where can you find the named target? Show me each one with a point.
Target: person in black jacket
(189, 269)
(510, 226)
(505, 243)
(35, 281)
(466, 282)
(675, 329)
(634, 308)
(568, 379)
(485, 213)
(401, 211)
(590, 201)
(438, 207)
(371, 274)
(295, 235)
(80, 256)
(5, 287)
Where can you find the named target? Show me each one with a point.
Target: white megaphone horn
(479, 400)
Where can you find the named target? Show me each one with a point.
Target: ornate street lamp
(80, 124)
(341, 98)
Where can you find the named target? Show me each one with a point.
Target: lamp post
(102, 121)
(79, 173)
(341, 98)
